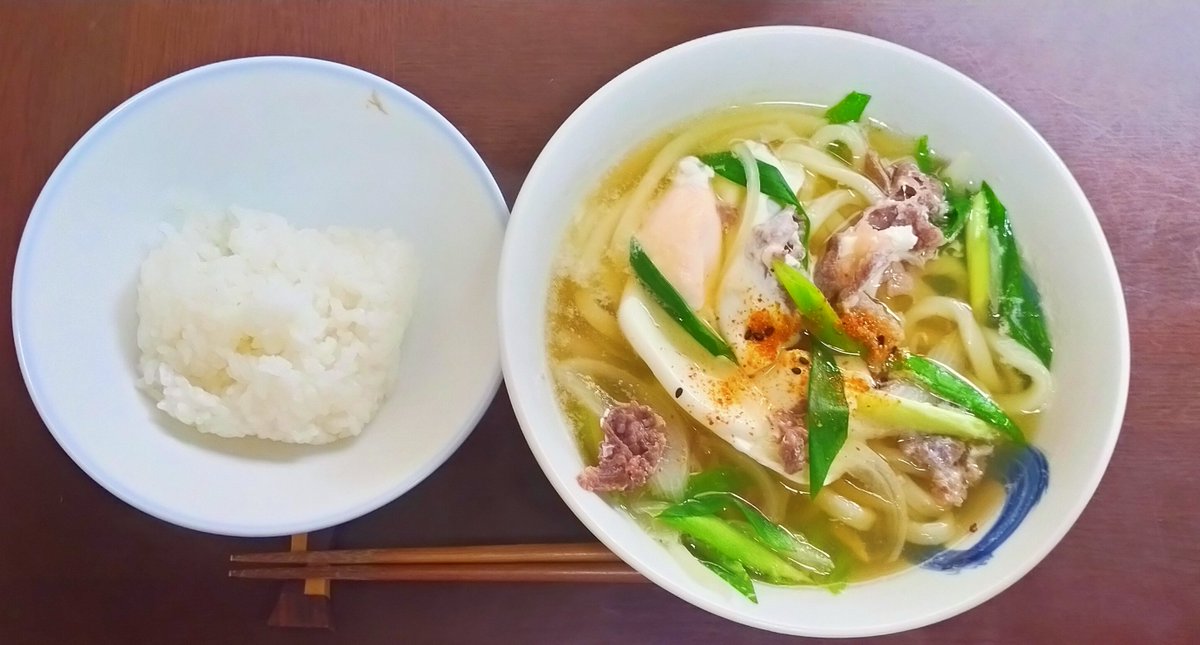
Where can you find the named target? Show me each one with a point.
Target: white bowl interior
(1054, 224)
(322, 144)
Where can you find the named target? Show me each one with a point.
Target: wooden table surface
(1114, 87)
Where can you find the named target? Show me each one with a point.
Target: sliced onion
(671, 478)
(874, 473)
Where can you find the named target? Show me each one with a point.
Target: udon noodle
(702, 400)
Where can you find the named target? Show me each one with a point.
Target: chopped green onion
(676, 307)
(721, 537)
(828, 415)
(898, 414)
(848, 109)
(726, 568)
(770, 181)
(725, 480)
(812, 305)
(775, 537)
(956, 215)
(923, 156)
(944, 383)
(1019, 304)
(979, 261)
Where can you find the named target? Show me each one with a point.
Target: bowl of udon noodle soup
(813, 331)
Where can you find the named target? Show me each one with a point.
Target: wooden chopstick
(471, 572)
(496, 554)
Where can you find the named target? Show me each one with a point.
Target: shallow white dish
(915, 94)
(321, 144)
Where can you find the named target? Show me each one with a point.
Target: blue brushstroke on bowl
(1025, 479)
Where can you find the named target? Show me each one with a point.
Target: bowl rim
(62, 171)
(525, 414)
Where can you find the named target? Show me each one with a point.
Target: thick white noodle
(822, 163)
(845, 510)
(949, 352)
(851, 135)
(939, 531)
(948, 266)
(898, 461)
(598, 317)
(919, 500)
(750, 205)
(974, 344)
(1009, 351)
(822, 207)
(594, 245)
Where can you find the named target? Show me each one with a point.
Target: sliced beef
(633, 445)
(914, 199)
(792, 435)
(899, 229)
(907, 213)
(861, 258)
(909, 184)
(874, 254)
(952, 465)
(778, 238)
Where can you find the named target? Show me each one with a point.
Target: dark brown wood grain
(529, 572)
(1113, 86)
(475, 554)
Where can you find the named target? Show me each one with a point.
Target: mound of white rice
(249, 327)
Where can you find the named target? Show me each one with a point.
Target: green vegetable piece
(828, 415)
(944, 383)
(791, 545)
(718, 479)
(923, 156)
(811, 303)
(848, 109)
(979, 260)
(770, 181)
(719, 536)
(676, 307)
(907, 415)
(956, 215)
(1019, 304)
(710, 503)
(726, 568)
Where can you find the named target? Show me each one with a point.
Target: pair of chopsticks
(493, 563)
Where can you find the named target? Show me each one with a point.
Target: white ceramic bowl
(1056, 227)
(321, 144)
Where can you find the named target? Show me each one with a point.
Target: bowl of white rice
(258, 298)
